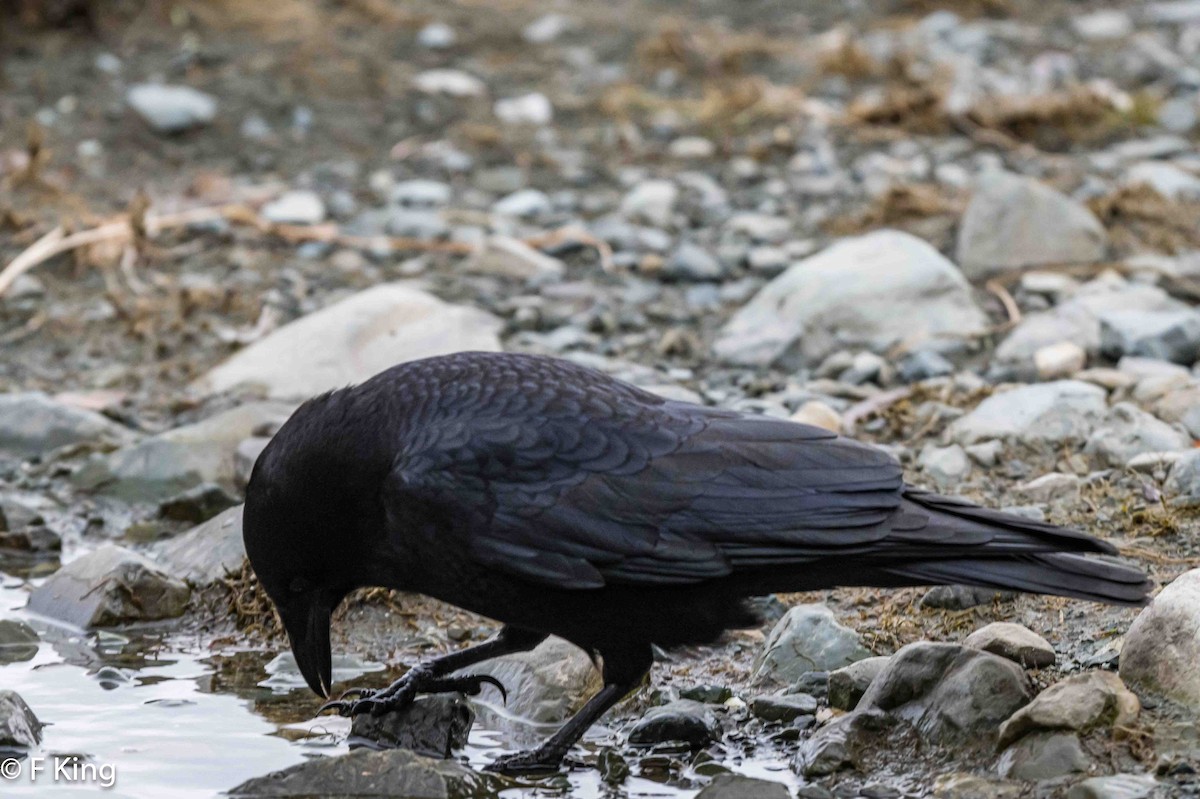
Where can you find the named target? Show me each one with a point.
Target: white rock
(651, 201)
(1167, 179)
(509, 257)
(528, 109)
(1014, 222)
(171, 109)
(452, 82)
(1118, 786)
(546, 28)
(1057, 412)
(523, 203)
(299, 207)
(1059, 360)
(1129, 431)
(352, 340)
(437, 36)
(818, 414)
(1103, 25)
(866, 292)
(1049, 487)
(1015, 642)
(688, 148)
(945, 466)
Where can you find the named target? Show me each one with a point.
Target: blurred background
(966, 231)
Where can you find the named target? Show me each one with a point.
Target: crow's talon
(469, 684)
(403, 691)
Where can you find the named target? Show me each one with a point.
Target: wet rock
(299, 207)
(1014, 642)
(1079, 703)
(434, 726)
(735, 786)
(1043, 756)
(1164, 335)
(952, 695)
(843, 742)
(691, 722)
(283, 673)
(171, 109)
(110, 586)
(848, 684)
(367, 774)
(18, 642)
(546, 685)
(709, 694)
(1118, 786)
(1014, 222)
(450, 82)
(32, 424)
(865, 292)
(961, 597)
(945, 466)
(206, 553)
(197, 504)
(783, 707)
(513, 258)
(1129, 431)
(652, 202)
(1162, 670)
(1046, 413)
(178, 460)
(352, 340)
(808, 638)
(19, 728)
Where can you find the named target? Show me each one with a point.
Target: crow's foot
(535, 761)
(403, 691)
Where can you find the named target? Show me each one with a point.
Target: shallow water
(163, 715)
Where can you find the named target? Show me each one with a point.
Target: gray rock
(1043, 756)
(808, 638)
(19, 728)
(421, 193)
(300, 207)
(1181, 406)
(735, 786)
(1184, 478)
(843, 742)
(417, 223)
(1165, 335)
(450, 82)
(164, 465)
(546, 28)
(1167, 179)
(652, 202)
(924, 364)
(437, 36)
(110, 586)
(32, 424)
(1129, 431)
(961, 597)
(848, 684)
(1014, 642)
(352, 340)
(692, 262)
(433, 726)
(783, 707)
(534, 108)
(367, 774)
(1064, 411)
(197, 504)
(18, 642)
(1168, 671)
(1118, 786)
(546, 685)
(693, 723)
(1014, 222)
(866, 292)
(945, 466)
(1050, 488)
(523, 203)
(953, 695)
(513, 258)
(206, 553)
(1080, 703)
(971, 786)
(171, 109)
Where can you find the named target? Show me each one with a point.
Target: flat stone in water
(208, 552)
(735, 786)
(32, 424)
(432, 725)
(691, 722)
(785, 707)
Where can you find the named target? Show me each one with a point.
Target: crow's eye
(299, 585)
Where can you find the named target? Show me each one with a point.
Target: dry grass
(902, 206)
(1138, 217)
(705, 49)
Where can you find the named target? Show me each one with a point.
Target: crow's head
(308, 526)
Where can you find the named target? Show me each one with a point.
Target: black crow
(558, 500)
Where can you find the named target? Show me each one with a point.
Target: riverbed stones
(843, 742)
(110, 586)
(18, 641)
(1117, 786)
(1043, 756)
(683, 720)
(1162, 646)
(945, 466)
(19, 727)
(208, 552)
(171, 109)
(1063, 411)
(783, 707)
(847, 297)
(351, 340)
(961, 597)
(434, 726)
(1015, 222)
(505, 256)
(1184, 478)
(1165, 335)
(848, 684)
(1128, 431)
(808, 638)
(32, 424)
(1079, 703)
(1019, 644)
(368, 774)
(735, 786)
(546, 685)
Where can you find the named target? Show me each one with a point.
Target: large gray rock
(1079, 703)
(953, 695)
(546, 685)
(1118, 786)
(32, 424)
(844, 742)
(1064, 411)
(866, 292)
(367, 774)
(735, 786)
(848, 684)
(171, 109)
(19, 728)
(1129, 431)
(1162, 646)
(434, 726)
(208, 552)
(1014, 642)
(1014, 222)
(110, 586)
(1165, 335)
(169, 463)
(352, 340)
(808, 638)
(1043, 756)
(1181, 406)
(693, 723)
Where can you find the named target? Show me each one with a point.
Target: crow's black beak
(307, 624)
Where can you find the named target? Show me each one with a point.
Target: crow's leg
(429, 678)
(623, 672)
